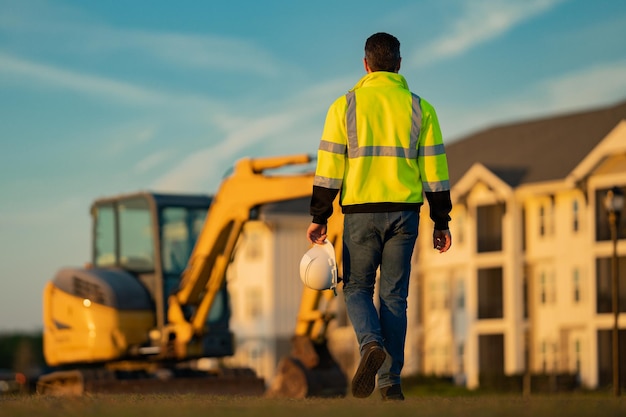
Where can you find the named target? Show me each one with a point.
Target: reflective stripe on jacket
(381, 144)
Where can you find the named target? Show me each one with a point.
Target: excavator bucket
(310, 371)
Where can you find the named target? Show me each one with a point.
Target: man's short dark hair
(382, 52)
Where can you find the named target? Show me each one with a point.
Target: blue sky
(104, 97)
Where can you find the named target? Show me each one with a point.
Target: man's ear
(398, 67)
(367, 67)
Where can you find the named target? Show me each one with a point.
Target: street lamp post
(614, 204)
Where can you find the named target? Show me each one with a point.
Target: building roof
(537, 150)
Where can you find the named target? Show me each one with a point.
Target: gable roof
(536, 150)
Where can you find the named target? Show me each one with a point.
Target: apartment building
(527, 283)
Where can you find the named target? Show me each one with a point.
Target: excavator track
(237, 381)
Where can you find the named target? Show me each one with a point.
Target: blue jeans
(370, 241)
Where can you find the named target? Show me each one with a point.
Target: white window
(575, 216)
(254, 303)
(576, 286)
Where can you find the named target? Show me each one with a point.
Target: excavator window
(136, 236)
(105, 253)
(124, 235)
(180, 227)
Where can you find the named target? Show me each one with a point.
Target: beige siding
(549, 248)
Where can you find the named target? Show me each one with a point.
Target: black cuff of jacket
(441, 225)
(322, 203)
(319, 220)
(440, 207)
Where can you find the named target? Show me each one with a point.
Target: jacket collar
(381, 78)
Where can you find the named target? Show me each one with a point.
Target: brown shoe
(364, 381)
(392, 393)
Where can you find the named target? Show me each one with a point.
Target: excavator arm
(247, 188)
(310, 369)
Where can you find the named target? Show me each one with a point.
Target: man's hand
(442, 240)
(316, 233)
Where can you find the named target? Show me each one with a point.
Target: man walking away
(382, 150)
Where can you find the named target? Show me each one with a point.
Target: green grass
(196, 405)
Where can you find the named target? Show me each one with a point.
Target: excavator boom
(310, 370)
(247, 188)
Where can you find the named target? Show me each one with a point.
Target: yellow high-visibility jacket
(382, 148)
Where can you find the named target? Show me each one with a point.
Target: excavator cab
(108, 310)
(152, 236)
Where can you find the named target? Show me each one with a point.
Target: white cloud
(121, 138)
(72, 80)
(203, 169)
(39, 16)
(594, 86)
(56, 211)
(183, 106)
(591, 86)
(153, 160)
(196, 172)
(69, 29)
(199, 51)
(481, 21)
(240, 130)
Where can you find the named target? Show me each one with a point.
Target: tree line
(22, 352)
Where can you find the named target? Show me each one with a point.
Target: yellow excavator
(150, 312)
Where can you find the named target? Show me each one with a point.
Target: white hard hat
(318, 267)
